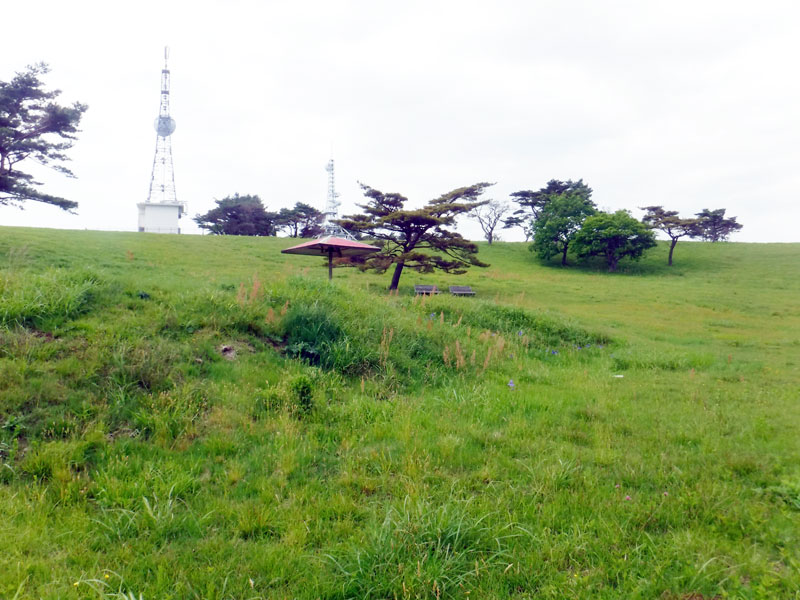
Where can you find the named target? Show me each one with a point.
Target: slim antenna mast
(332, 208)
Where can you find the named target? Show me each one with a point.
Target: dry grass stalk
(441, 317)
(386, 341)
(473, 357)
(459, 320)
(446, 355)
(270, 318)
(487, 359)
(460, 360)
(244, 297)
(255, 290)
(285, 308)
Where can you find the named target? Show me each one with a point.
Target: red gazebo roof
(331, 245)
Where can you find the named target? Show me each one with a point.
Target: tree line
(247, 215)
(561, 217)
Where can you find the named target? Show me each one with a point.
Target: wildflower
(666, 494)
(519, 333)
(510, 356)
(76, 583)
(553, 351)
(433, 315)
(511, 384)
(106, 575)
(616, 485)
(627, 497)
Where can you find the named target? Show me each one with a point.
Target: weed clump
(421, 547)
(44, 300)
(303, 392)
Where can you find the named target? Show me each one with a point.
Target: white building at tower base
(160, 217)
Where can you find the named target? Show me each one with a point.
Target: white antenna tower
(162, 180)
(332, 208)
(161, 212)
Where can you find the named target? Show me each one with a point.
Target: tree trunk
(398, 269)
(671, 248)
(612, 260)
(564, 256)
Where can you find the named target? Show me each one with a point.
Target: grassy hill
(203, 417)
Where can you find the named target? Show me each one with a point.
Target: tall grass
(35, 299)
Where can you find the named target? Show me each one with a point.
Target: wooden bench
(425, 290)
(461, 290)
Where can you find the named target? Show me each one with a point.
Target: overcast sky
(687, 104)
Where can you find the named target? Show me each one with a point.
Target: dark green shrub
(302, 391)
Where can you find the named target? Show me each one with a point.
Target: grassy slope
(138, 459)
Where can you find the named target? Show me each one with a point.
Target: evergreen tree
(714, 227)
(670, 223)
(239, 215)
(33, 126)
(417, 238)
(303, 220)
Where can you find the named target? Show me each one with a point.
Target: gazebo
(331, 246)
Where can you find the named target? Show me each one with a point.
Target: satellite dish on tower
(165, 126)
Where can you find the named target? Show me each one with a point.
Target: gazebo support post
(330, 264)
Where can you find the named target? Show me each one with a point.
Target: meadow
(204, 417)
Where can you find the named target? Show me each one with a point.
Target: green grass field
(202, 417)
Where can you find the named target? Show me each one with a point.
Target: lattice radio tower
(332, 208)
(162, 180)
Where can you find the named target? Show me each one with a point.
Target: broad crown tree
(33, 126)
(559, 221)
(238, 215)
(532, 202)
(713, 225)
(418, 238)
(613, 236)
(303, 220)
